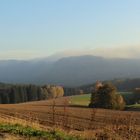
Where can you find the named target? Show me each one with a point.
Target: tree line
(10, 94)
(122, 85)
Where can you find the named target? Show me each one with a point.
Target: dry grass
(10, 137)
(17, 120)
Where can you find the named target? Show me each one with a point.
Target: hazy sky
(38, 28)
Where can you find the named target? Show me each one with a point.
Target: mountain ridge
(68, 71)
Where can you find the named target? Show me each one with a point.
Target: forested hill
(10, 93)
(121, 84)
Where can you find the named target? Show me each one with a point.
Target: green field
(134, 106)
(84, 100)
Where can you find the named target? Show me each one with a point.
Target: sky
(39, 28)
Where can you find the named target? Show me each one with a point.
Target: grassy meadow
(82, 100)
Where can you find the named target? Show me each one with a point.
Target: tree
(59, 91)
(106, 96)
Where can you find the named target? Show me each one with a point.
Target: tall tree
(106, 96)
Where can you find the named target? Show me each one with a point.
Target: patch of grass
(82, 100)
(31, 132)
(134, 106)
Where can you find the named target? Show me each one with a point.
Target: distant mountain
(18, 71)
(68, 71)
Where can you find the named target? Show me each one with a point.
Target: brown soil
(59, 113)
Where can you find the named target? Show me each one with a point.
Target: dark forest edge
(10, 93)
(19, 93)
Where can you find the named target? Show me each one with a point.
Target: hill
(69, 71)
(126, 85)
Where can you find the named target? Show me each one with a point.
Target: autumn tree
(106, 96)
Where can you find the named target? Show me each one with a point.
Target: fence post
(53, 112)
(92, 119)
(65, 119)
